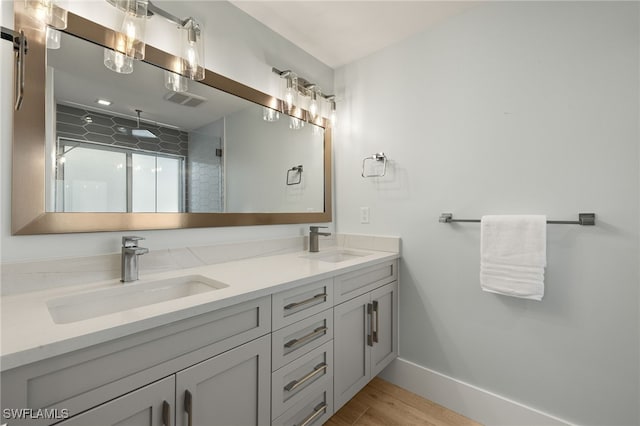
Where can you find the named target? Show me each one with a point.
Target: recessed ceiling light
(104, 102)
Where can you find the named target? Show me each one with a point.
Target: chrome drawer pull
(297, 383)
(304, 302)
(314, 333)
(317, 411)
(375, 311)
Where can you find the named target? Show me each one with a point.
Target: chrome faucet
(313, 237)
(130, 253)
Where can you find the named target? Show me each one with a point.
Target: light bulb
(290, 96)
(313, 105)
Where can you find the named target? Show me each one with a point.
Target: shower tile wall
(206, 179)
(72, 123)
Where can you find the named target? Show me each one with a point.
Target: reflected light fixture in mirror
(193, 50)
(53, 38)
(49, 12)
(295, 123)
(270, 115)
(175, 82)
(118, 62)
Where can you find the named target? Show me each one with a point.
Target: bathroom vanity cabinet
(270, 360)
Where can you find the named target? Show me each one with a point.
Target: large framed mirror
(216, 154)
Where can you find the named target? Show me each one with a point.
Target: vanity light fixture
(118, 62)
(294, 85)
(130, 40)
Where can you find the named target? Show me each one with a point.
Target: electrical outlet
(364, 214)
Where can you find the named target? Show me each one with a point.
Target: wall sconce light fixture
(130, 40)
(292, 87)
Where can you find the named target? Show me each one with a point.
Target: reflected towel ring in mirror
(293, 172)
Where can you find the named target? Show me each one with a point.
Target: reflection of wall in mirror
(205, 178)
(258, 156)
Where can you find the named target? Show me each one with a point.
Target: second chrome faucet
(313, 237)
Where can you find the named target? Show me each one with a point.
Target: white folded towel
(513, 255)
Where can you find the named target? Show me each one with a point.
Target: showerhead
(142, 133)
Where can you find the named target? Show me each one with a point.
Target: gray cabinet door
(231, 389)
(352, 357)
(151, 405)
(385, 313)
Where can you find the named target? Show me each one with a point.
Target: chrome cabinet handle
(370, 335)
(297, 383)
(166, 414)
(375, 311)
(304, 302)
(188, 407)
(314, 333)
(317, 411)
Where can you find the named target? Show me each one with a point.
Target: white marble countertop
(29, 333)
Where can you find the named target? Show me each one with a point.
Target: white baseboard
(470, 401)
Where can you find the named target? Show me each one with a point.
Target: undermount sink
(336, 256)
(96, 303)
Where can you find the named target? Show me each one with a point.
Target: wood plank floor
(383, 403)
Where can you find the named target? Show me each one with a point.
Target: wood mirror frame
(28, 211)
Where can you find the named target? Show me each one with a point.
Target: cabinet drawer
(355, 283)
(300, 302)
(91, 376)
(297, 339)
(301, 378)
(313, 411)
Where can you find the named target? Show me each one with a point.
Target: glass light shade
(130, 40)
(123, 5)
(269, 114)
(333, 116)
(48, 12)
(295, 123)
(313, 104)
(53, 38)
(192, 64)
(290, 92)
(175, 82)
(118, 62)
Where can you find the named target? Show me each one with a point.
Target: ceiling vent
(184, 98)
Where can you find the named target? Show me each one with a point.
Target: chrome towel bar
(584, 219)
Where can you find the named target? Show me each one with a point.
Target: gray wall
(511, 107)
